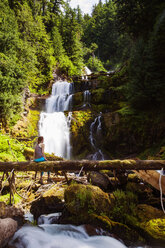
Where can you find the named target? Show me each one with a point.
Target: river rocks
(8, 227)
(155, 228)
(11, 212)
(85, 199)
(118, 229)
(89, 204)
(99, 179)
(51, 201)
(146, 212)
(152, 222)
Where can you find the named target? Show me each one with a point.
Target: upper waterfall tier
(61, 97)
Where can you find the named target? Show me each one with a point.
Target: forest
(36, 37)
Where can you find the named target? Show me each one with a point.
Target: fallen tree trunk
(73, 165)
(152, 177)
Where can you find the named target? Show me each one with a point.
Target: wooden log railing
(73, 165)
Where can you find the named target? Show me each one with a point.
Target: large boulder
(86, 199)
(99, 179)
(8, 227)
(51, 201)
(89, 204)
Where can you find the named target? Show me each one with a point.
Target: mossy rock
(50, 202)
(98, 96)
(155, 228)
(121, 230)
(151, 222)
(80, 133)
(145, 213)
(29, 154)
(78, 99)
(28, 125)
(87, 199)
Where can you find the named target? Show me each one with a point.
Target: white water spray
(54, 126)
(60, 236)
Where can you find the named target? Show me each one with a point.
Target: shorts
(39, 159)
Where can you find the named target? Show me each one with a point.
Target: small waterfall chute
(94, 137)
(87, 98)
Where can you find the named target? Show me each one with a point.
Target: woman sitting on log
(39, 156)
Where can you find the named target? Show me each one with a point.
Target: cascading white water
(95, 134)
(54, 126)
(60, 236)
(87, 98)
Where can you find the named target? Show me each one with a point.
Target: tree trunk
(69, 165)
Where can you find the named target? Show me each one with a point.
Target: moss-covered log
(69, 165)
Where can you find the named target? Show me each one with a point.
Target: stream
(60, 236)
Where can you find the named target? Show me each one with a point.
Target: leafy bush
(12, 152)
(95, 64)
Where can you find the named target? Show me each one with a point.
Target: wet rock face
(50, 202)
(8, 227)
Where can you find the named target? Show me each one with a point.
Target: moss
(78, 99)
(123, 231)
(33, 118)
(27, 127)
(145, 213)
(133, 133)
(6, 198)
(53, 194)
(84, 199)
(124, 209)
(29, 154)
(100, 107)
(97, 96)
(80, 118)
(80, 132)
(155, 228)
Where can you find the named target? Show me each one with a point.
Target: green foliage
(12, 152)
(124, 210)
(137, 17)
(95, 64)
(66, 66)
(146, 86)
(35, 37)
(57, 43)
(101, 29)
(11, 73)
(71, 33)
(6, 198)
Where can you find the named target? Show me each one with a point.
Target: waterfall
(95, 135)
(54, 126)
(87, 98)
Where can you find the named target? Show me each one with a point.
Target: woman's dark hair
(40, 139)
